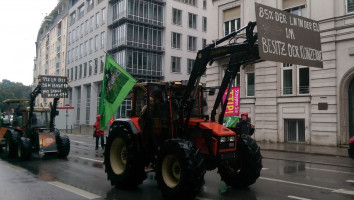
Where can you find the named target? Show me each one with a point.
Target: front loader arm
(33, 97)
(240, 51)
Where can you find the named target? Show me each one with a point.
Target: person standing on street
(99, 133)
(243, 126)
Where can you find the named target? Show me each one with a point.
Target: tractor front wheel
(24, 150)
(246, 168)
(180, 170)
(63, 146)
(123, 163)
(12, 139)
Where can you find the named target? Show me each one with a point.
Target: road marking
(75, 190)
(295, 197)
(89, 159)
(328, 170)
(79, 142)
(265, 168)
(342, 191)
(295, 183)
(350, 181)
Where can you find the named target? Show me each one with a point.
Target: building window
(82, 30)
(231, 26)
(176, 16)
(97, 19)
(204, 4)
(80, 74)
(96, 66)
(92, 21)
(203, 43)
(103, 17)
(139, 36)
(192, 20)
(78, 105)
(90, 5)
(145, 11)
(190, 2)
(287, 79)
(101, 64)
(297, 10)
(78, 33)
(303, 80)
(90, 68)
(103, 34)
(175, 64)
(294, 130)
(192, 43)
(75, 72)
(72, 18)
(97, 41)
(250, 84)
(232, 19)
(350, 6)
(204, 24)
(190, 63)
(86, 27)
(91, 45)
(88, 103)
(85, 69)
(176, 40)
(81, 11)
(146, 63)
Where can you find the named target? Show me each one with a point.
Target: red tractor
(169, 132)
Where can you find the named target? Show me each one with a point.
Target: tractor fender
(126, 123)
(132, 127)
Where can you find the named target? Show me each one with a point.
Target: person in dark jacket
(243, 126)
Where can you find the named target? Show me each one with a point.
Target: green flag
(116, 85)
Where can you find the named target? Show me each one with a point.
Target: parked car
(351, 147)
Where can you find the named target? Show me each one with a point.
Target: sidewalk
(285, 147)
(305, 148)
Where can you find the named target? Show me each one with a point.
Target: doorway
(351, 108)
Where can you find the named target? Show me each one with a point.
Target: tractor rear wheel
(123, 163)
(246, 168)
(63, 146)
(24, 150)
(12, 139)
(180, 170)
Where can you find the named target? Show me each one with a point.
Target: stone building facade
(292, 103)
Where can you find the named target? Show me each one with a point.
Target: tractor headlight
(223, 139)
(232, 139)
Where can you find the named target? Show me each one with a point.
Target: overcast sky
(20, 21)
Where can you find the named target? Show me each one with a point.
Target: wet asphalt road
(82, 176)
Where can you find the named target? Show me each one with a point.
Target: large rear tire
(24, 150)
(180, 170)
(63, 146)
(123, 163)
(244, 170)
(12, 139)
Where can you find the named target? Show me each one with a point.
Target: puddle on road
(294, 168)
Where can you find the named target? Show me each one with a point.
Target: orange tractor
(169, 131)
